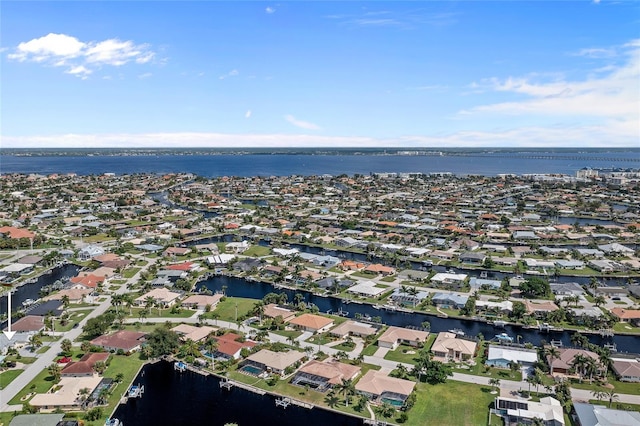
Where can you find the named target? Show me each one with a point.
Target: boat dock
(285, 402)
(135, 391)
(230, 384)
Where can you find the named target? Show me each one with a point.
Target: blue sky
(332, 73)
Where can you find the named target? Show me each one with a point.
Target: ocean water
(459, 163)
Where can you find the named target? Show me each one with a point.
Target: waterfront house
(201, 301)
(39, 420)
(30, 324)
(172, 274)
(176, 251)
(191, 332)
(353, 328)
(449, 347)
(323, 375)
(380, 388)
(626, 370)
(88, 281)
(312, 323)
(610, 291)
(246, 265)
(366, 289)
(273, 311)
(90, 251)
(395, 336)
(627, 315)
(501, 356)
(449, 300)
(564, 363)
(404, 298)
(449, 280)
(128, 341)
(516, 411)
(472, 258)
(540, 309)
(274, 362)
(67, 396)
(566, 289)
(230, 346)
(75, 295)
(376, 268)
(483, 283)
(84, 367)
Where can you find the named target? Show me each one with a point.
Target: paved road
(44, 360)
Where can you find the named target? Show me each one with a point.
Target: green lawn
(257, 251)
(43, 349)
(622, 327)
(403, 353)
(130, 272)
(7, 377)
(345, 347)
(43, 382)
(616, 405)
(451, 403)
(619, 387)
(162, 313)
(226, 309)
(370, 350)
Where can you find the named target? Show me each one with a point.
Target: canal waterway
(32, 290)
(189, 398)
(237, 287)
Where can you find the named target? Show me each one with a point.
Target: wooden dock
(229, 384)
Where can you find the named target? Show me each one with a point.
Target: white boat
(457, 331)
(504, 337)
(28, 302)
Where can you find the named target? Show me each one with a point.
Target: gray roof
(36, 420)
(598, 415)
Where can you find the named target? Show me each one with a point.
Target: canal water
(32, 290)
(187, 398)
(238, 287)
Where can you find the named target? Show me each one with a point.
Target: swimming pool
(251, 370)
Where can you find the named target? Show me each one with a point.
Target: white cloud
(606, 99)
(270, 10)
(145, 75)
(232, 73)
(559, 135)
(247, 114)
(302, 124)
(81, 58)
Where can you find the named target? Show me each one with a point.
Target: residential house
(450, 347)
(90, 251)
(540, 309)
(201, 301)
(516, 411)
(323, 375)
(274, 362)
(273, 311)
(626, 370)
(176, 251)
(230, 346)
(379, 387)
(366, 289)
(84, 367)
(564, 363)
(502, 356)
(312, 323)
(449, 280)
(449, 300)
(128, 341)
(395, 336)
(353, 328)
(162, 297)
(191, 332)
(30, 324)
(380, 269)
(627, 315)
(472, 258)
(67, 395)
(599, 415)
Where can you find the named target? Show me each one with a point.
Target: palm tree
(143, 314)
(599, 300)
(494, 382)
(55, 370)
(599, 394)
(413, 292)
(347, 388)
(65, 301)
(65, 345)
(612, 396)
(35, 341)
(150, 302)
(552, 353)
(579, 364)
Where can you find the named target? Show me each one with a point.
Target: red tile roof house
(627, 315)
(312, 323)
(128, 341)
(87, 281)
(229, 346)
(380, 269)
(84, 366)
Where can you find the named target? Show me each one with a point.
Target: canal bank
(189, 398)
(239, 287)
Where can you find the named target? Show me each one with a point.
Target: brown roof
(28, 323)
(565, 361)
(85, 364)
(123, 339)
(272, 310)
(626, 313)
(376, 382)
(394, 334)
(628, 368)
(332, 370)
(314, 322)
